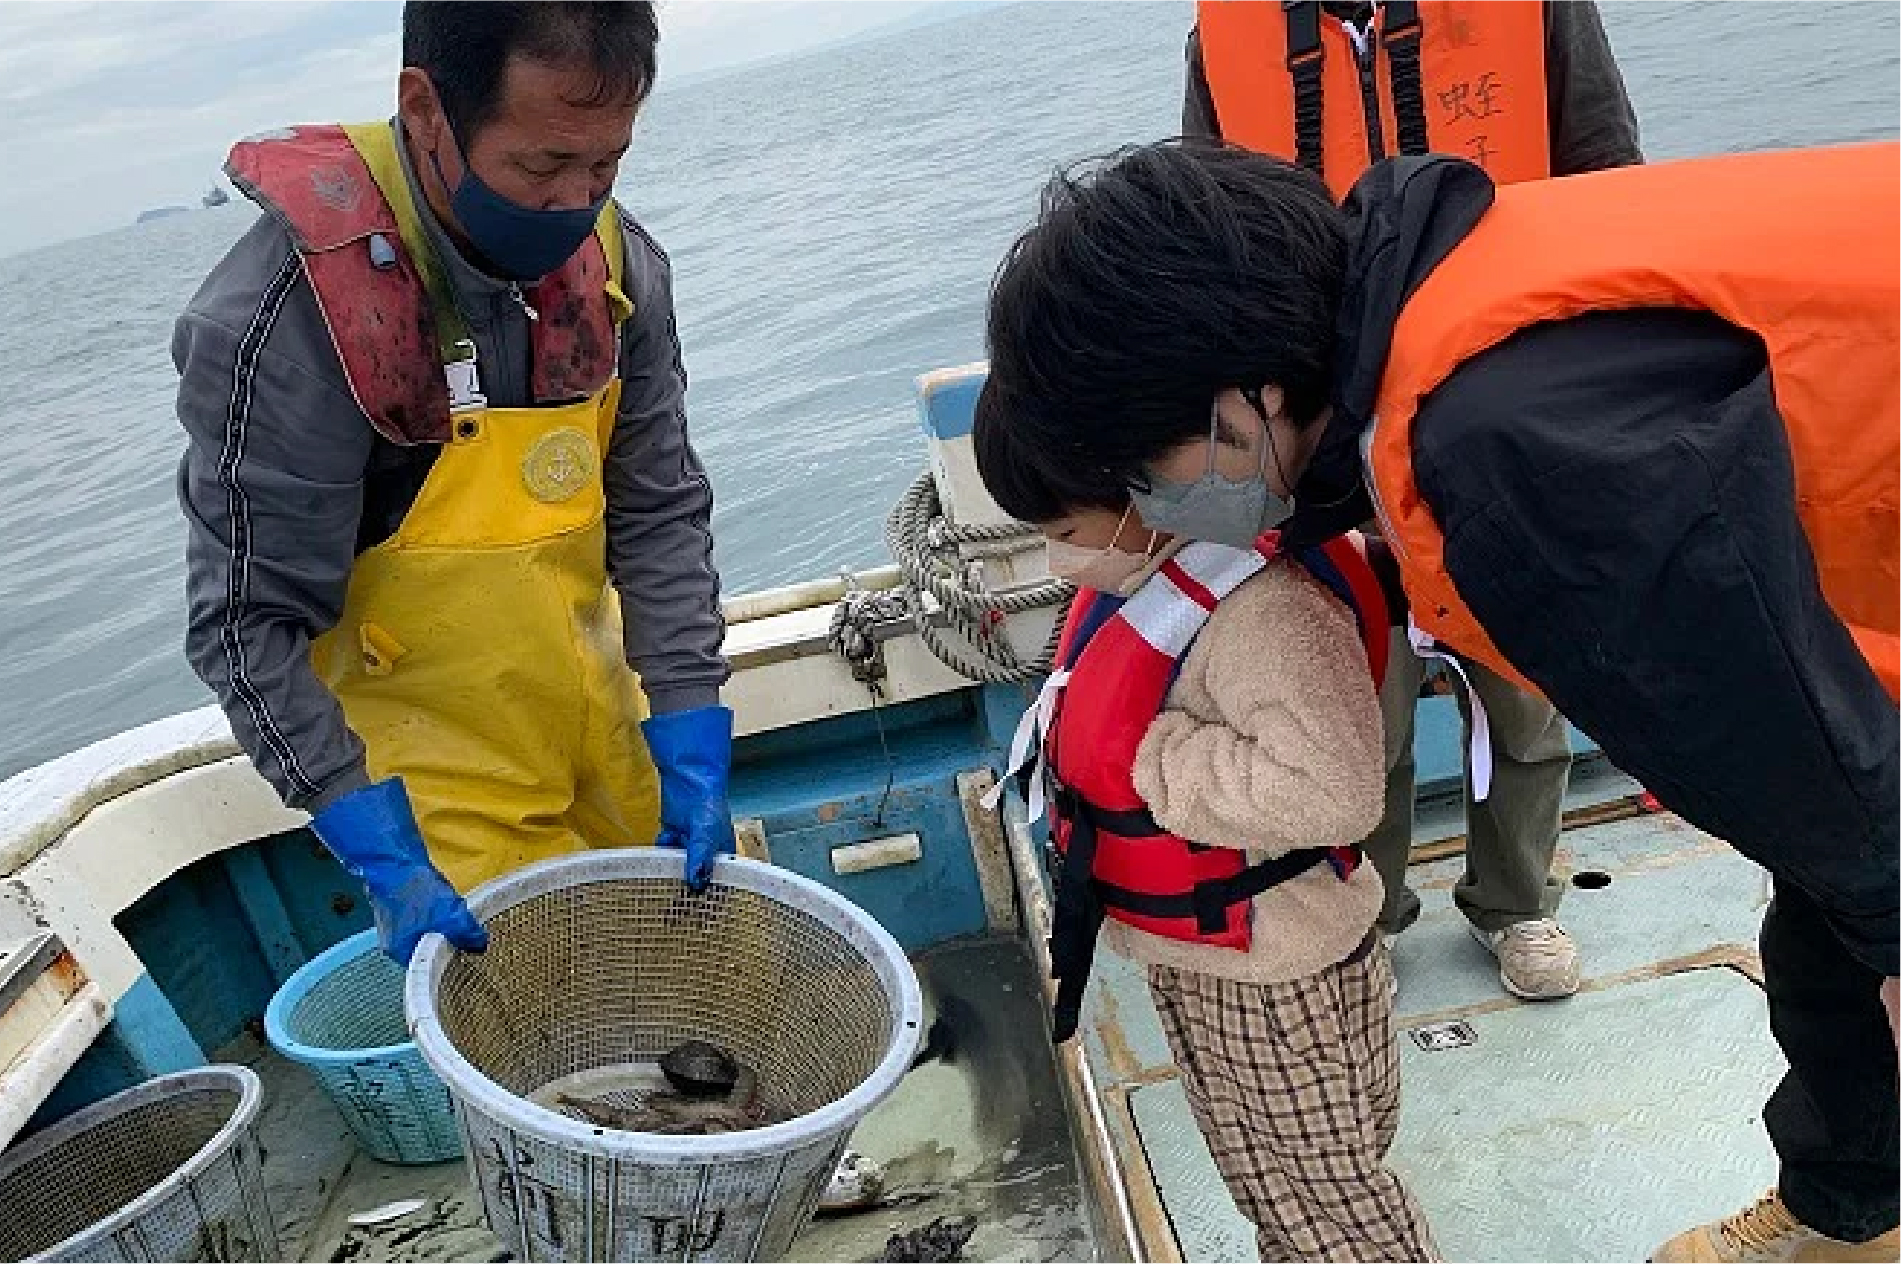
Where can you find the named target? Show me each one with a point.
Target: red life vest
(341, 193)
(1117, 662)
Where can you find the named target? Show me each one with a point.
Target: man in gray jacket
(437, 447)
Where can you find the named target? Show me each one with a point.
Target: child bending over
(1210, 749)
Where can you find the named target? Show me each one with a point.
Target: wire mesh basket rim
(834, 911)
(308, 978)
(218, 1077)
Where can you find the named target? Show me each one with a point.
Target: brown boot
(1765, 1231)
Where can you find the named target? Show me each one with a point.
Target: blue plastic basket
(341, 1016)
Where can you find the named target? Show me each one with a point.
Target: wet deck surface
(986, 1132)
(981, 1135)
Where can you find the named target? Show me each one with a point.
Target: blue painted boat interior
(219, 937)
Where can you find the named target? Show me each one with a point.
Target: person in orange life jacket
(437, 447)
(1525, 88)
(1561, 392)
(1165, 765)
(1530, 88)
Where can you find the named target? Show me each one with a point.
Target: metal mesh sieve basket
(167, 1170)
(602, 960)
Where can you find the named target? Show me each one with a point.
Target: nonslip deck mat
(1589, 1130)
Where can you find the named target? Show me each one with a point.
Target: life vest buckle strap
(1401, 22)
(1075, 923)
(1211, 901)
(1303, 32)
(463, 376)
(1305, 53)
(1065, 803)
(1255, 879)
(1139, 823)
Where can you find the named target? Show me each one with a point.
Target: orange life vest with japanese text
(1461, 77)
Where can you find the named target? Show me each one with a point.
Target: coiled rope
(967, 634)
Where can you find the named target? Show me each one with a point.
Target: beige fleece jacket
(1270, 742)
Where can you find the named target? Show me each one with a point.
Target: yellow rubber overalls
(479, 654)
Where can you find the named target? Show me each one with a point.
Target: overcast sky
(110, 108)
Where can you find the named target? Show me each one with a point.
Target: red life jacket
(1117, 661)
(341, 194)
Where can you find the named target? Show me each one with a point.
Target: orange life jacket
(1800, 247)
(1115, 665)
(1462, 77)
(384, 295)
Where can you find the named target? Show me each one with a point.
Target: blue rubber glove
(373, 832)
(694, 752)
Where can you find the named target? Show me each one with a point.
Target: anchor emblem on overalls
(558, 465)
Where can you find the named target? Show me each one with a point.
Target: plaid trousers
(1296, 1087)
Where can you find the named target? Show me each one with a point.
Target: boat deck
(982, 1135)
(1586, 1129)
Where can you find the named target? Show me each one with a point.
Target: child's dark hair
(1025, 483)
(1151, 282)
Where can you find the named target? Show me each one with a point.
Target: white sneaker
(1536, 960)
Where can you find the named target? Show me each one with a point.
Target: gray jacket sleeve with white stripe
(272, 490)
(284, 482)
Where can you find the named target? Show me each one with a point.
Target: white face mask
(1105, 569)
